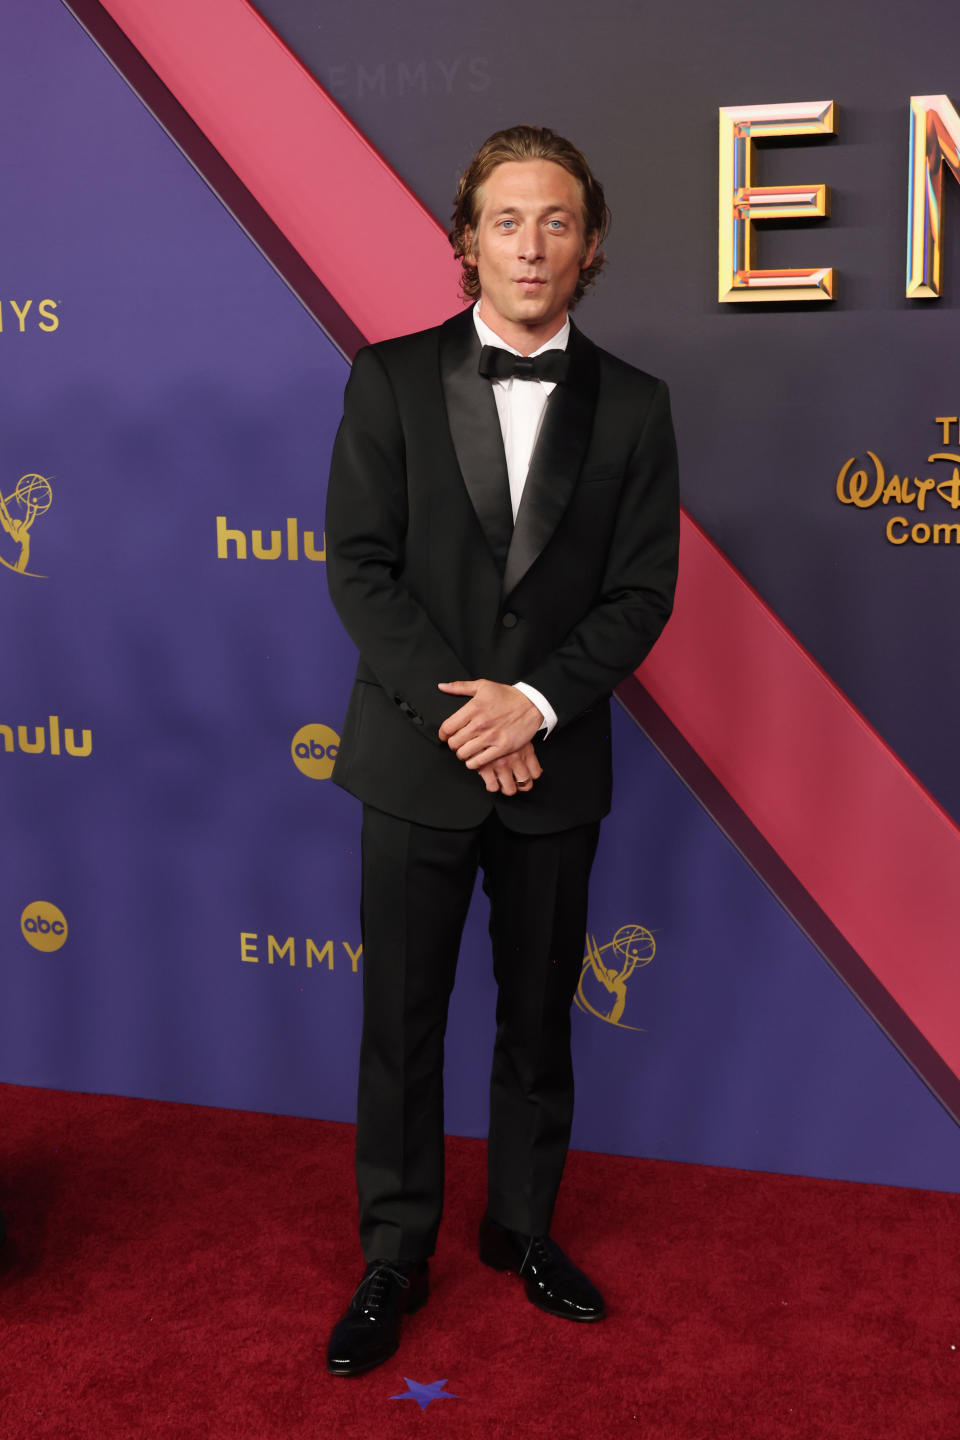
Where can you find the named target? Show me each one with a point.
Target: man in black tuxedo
(502, 532)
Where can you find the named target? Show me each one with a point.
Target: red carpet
(173, 1271)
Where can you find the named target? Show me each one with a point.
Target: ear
(589, 250)
(469, 246)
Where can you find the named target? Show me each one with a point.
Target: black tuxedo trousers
(435, 581)
(417, 884)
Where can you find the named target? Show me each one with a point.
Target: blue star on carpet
(424, 1394)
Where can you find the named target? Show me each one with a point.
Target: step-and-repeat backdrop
(179, 879)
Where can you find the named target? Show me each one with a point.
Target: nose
(529, 246)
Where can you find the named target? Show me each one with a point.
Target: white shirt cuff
(542, 704)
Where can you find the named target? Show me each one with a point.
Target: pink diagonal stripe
(360, 229)
(860, 833)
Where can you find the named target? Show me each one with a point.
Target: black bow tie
(497, 364)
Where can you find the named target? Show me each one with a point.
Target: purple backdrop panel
(183, 383)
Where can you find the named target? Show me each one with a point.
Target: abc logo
(43, 925)
(314, 749)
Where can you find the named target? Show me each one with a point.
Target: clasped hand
(492, 733)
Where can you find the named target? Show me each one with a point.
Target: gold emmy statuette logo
(314, 749)
(631, 946)
(43, 925)
(32, 496)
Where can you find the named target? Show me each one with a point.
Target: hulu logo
(287, 544)
(49, 739)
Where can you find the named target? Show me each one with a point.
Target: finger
(458, 687)
(507, 782)
(486, 757)
(469, 729)
(484, 744)
(470, 714)
(523, 773)
(456, 721)
(489, 777)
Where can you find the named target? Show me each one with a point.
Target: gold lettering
(309, 546)
(278, 949)
(276, 545)
(915, 533)
(291, 537)
(892, 491)
(22, 314)
(6, 734)
(275, 948)
(896, 520)
(946, 534)
(50, 321)
(39, 740)
(949, 490)
(227, 537)
(54, 723)
(326, 954)
(852, 489)
(946, 421)
(923, 489)
(70, 742)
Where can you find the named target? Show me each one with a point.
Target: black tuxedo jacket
(434, 581)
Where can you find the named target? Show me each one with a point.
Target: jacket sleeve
(366, 524)
(636, 595)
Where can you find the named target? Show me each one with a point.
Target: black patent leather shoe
(369, 1330)
(552, 1282)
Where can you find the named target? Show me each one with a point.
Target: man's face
(529, 248)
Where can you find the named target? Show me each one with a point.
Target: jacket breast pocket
(599, 474)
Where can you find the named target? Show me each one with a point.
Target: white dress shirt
(520, 406)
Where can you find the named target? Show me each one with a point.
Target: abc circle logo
(44, 926)
(314, 749)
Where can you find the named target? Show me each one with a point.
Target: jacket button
(508, 620)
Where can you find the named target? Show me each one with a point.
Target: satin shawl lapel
(556, 460)
(475, 429)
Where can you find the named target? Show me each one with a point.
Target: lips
(530, 282)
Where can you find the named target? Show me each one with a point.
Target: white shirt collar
(490, 337)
